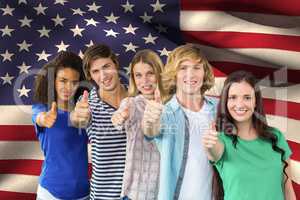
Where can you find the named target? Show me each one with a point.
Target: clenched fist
(153, 110)
(119, 118)
(212, 144)
(81, 115)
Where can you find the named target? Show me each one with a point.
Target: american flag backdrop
(259, 36)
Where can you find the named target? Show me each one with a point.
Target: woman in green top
(251, 158)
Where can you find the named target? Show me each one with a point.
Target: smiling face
(104, 72)
(66, 83)
(189, 78)
(241, 102)
(144, 78)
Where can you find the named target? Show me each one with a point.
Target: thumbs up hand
(212, 144)
(121, 116)
(47, 119)
(81, 115)
(152, 113)
(210, 138)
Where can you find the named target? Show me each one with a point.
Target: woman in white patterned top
(141, 175)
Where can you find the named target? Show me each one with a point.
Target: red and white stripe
(260, 36)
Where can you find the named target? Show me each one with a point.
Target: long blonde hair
(177, 56)
(149, 57)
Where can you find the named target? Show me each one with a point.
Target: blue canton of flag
(33, 32)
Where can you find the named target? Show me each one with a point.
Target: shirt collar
(174, 104)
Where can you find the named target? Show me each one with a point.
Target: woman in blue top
(65, 168)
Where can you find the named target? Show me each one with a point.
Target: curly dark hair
(44, 85)
(225, 122)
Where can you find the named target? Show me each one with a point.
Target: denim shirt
(173, 145)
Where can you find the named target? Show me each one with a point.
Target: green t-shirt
(252, 170)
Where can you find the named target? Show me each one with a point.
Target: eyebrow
(198, 64)
(106, 64)
(60, 77)
(238, 95)
(66, 78)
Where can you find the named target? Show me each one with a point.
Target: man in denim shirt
(178, 126)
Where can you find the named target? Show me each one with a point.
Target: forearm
(289, 191)
(287, 183)
(216, 152)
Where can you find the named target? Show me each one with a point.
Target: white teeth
(106, 81)
(240, 111)
(147, 87)
(190, 82)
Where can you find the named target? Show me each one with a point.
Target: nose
(240, 102)
(190, 72)
(103, 73)
(69, 85)
(144, 79)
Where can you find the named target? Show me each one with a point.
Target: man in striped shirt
(94, 112)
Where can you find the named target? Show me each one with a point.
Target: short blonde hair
(149, 57)
(176, 57)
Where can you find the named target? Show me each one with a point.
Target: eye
(138, 75)
(94, 71)
(105, 67)
(248, 98)
(232, 97)
(182, 67)
(61, 80)
(198, 67)
(150, 74)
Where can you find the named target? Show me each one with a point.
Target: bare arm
(288, 187)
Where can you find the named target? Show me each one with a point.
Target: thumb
(85, 96)
(157, 96)
(53, 107)
(125, 112)
(128, 103)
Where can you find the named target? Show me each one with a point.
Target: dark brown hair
(225, 122)
(94, 52)
(44, 85)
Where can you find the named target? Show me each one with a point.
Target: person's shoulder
(39, 106)
(276, 131)
(212, 99)
(172, 104)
